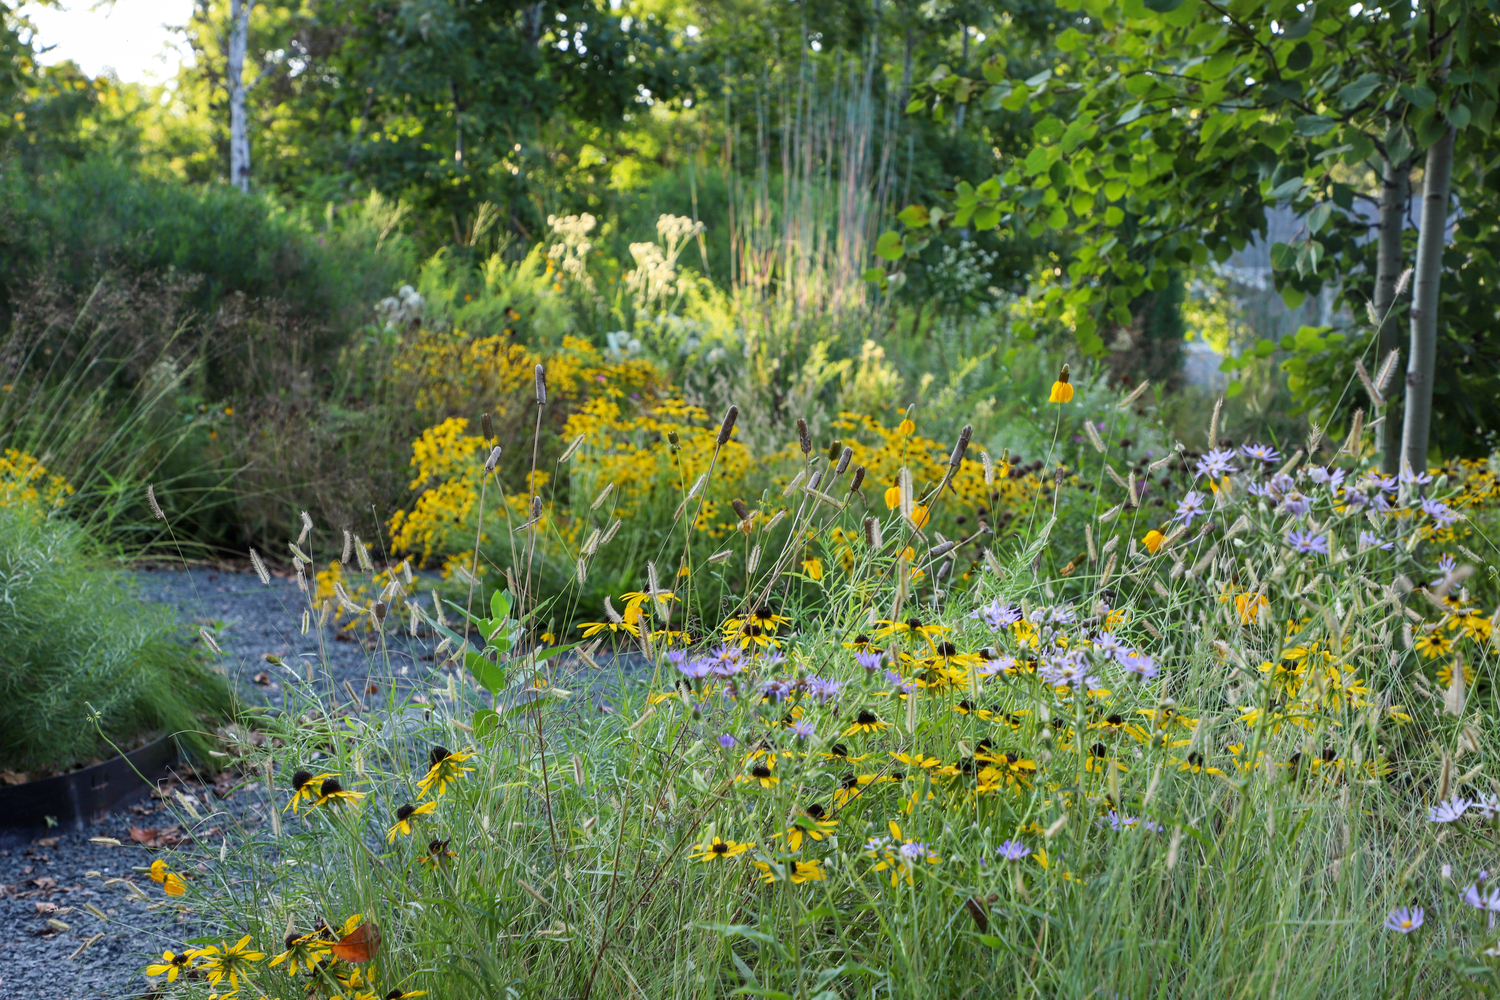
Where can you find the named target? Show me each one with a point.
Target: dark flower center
(405, 812)
(761, 771)
(816, 811)
(1097, 749)
(330, 787)
(1115, 720)
(1195, 758)
(849, 781)
(913, 623)
(839, 750)
(300, 778)
(966, 706)
(866, 718)
(861, 640)
(764, 613)
(720, 848)
(438, 755)
(947, 649)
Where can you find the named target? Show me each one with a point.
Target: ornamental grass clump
(1218, 757)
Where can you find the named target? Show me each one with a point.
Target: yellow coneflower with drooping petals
(1062, 389)
(719, 850)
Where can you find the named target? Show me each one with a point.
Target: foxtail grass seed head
(845, 457)
(541, 386)
(260, 567)
(1088, 537)
(568, 453)
(727, 427)
(1131, 496)
(301, 577)
(796, 482)
(1356, 431)
(437, 609)
(1402, 282)
(721, 555)
(1173, 846)
(872, 533)
(299, 554)
(903, 483)
(492, 461)
(487, 427)
(591, 544)
(1376, 398)
(364, 556)
(610, 533)
(1161, 463)
(653, 585)
(411, 619)
(1370, 313)
(740, 510)
(1213, 423)
(603, 496)
(306, 621)
(1111, 514)
(957, 457)
(306, 528)
(858, 480)
(380, 610)
(1119, 480)
(151, 501)
(1134, 395)
(325, 609)
(536, 508)
(583, 570)
(804, 437)
(697, 485)
(753, 561)
(348, 547)
(208, 640)
(1387, 371)
(610, 613)
(1094, 438)
(774, 520)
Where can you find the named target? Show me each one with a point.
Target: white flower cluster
(569, 257)
(402, 310)
(655, 273)
(962, 272)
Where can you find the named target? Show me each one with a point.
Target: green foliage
(85, 661)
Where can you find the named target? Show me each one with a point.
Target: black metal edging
(74, 799)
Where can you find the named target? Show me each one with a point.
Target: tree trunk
(1395, 191)
(234, 72)
(1421, 362)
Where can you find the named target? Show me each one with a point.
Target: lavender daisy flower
(1380, 503)
(1003, 664)
(694, 667)
(803, 730)
(823, 689)
(996, 615)
(1257, 489)
(1403, 920)
(774, 658)
(1295, 504)
(1355, 500)
(1370, 540)
(1069, 669)
(898, 686)
(1118, 822)
(775, 690)
(1448, 811)
(1261, 453)
(1481, 898)
(1107, 644)
(1012, 850)
(1063, 614)
(1324, 476)
(1141, 665)
(728, 742)
(870, 661)
(1487, 806)
(1215, 464)
(916, 851)
(725, 662)
(1386, 484)
(1439, 512)
(1306, 543)
(1410, 478)
(1189, 507)
(1152, 825)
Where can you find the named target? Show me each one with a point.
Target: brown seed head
(541, 386)
(727, 427)
(804, 436)
(487, 427)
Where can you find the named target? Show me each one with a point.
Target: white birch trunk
(234, 72)
(1421, 366)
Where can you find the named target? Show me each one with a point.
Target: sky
(128, 36)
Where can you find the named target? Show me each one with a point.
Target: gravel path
(79, 956)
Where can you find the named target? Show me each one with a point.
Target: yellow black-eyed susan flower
(815, 824)
(1153, 540)
(719, 850)
(909, 626)
(865, 722)
(405, 815)
(437, 853)
(813, 568)
(331, 792)
(446, 767)
(1434, 645)
(225, 961)
(1062, 389)
(305, 786)
(1195, 763)
(405, 994)
(171, 964)
(304, 951)
(169, 880)
(591, 629)
(792, 870)
(762, 773)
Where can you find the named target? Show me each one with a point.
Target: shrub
(84, 663)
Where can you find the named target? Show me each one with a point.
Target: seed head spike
(845, 457)
(541, 386)
(727, 427)
(487, 427)
(804, 436)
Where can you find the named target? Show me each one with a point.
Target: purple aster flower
(1410, 478)
(1108, 644)
(1215, 464)
(870, 661)
(1280, 485)
(1355, 500)
(1324, 476)
(1189, 507)
(1070, 669)
(1152, 825)
(1386, 484)
(1306, 543)
(1380, 503)
(1118, 822)
(1063, 614)
(1446, 565)
(694, 667)
(823, 689)
(1370, 540)
(1483, 899)
(1012, 850)
(999, 665)
(898, 686)
(1487, 806)
(1141, 665)
(1295, 504)
(728, 742)
(1261, 453)
(774, 658)
(1257, 489)
(915, 850)
(1448, 810)
(1439, 512)
(775, 690)
(1403, 920)
(803, 730)
(997, 615)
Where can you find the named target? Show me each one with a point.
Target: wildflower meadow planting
(646, 500)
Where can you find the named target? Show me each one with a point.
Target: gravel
(51, 877)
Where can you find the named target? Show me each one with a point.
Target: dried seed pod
(567, 454)
(486, 427)
(603, 495)
(541, 386)
(833, 450)
(859, 478)
(872, 533)
(804, 436)
(845, 457)
(964, 436)
(740, 509)
(536, 507)
(674, 440)
(492, 461)
(380, 610)
(727, 427)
